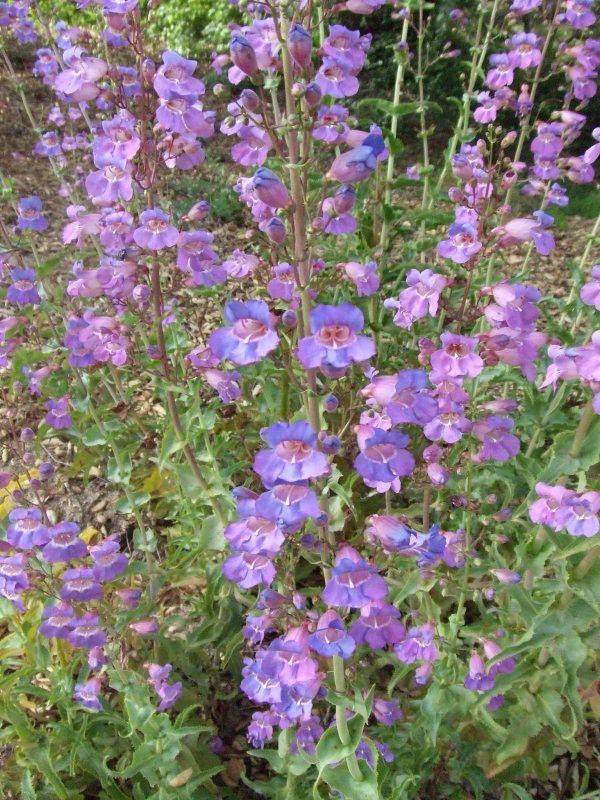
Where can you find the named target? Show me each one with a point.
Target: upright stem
(387, 195)
(298, 177)
(587, 417)
(534, 88)
(157, 303)
(478, 57)
(423, 120)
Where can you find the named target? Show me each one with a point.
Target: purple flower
(384, 460)
(253, 149)
(579, 515)
(240, 264)
(155, 232)
(590, 292)
(110, 183)
(108, 560)
(86, 633)
(78, 81)
(87, 694)
(168, 693)
(180, 114)
(249, 569)
(547, 509)
(331, 638)
(29, 214)
(378, 626)
(255, 534)
(196, 258)
(335, 344)
(330, 124)
(290, 504)
(357, 164)
(347, 47)
(260, 729)
(419, 645)
(448, 425)
(80, 585)
(23, 290)
(48, 146)
(421, 298)
(282, 285)
(353, 583)
(462, 242)
(364, 277)
(524, 50)
(457, 357)
(250, 336)
(501, 73)
(525, 229)
(292, 455)
(514, 306)
(580, 14)
(26, 529)
(498, 443)
(64, 544)
(477, 679)
(390, 533)
(411, 402)
(175, 77)
(58, 416)
(57, 621)
(386, 712)
(335, 79)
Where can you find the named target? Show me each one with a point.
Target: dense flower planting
(371, 487)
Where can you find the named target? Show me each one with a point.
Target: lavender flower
(250, 336)
(354, 583)
(335, 343)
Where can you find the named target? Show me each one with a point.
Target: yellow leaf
(6, 502)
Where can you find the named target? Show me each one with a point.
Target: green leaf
(519, 791)
(340, 779)
(330, 747)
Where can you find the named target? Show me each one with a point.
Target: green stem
(587, 417)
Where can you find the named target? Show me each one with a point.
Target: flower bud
(28, 458)
(27, 435)
(249, 100)
(46, 470)
(330, 444)
(331, 403)
(344, 199)
(438, 474)
(198, 211)
(5, 479)
(298, 89)
(269, 188)
(219, 89)
(148, 70)
(432, 453)
(313, 95)
(275, 230)
(299, 43)
(506, 575)
(289, 319)
(508, 139)
(243, 55)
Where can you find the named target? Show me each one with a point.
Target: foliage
(347, 538)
